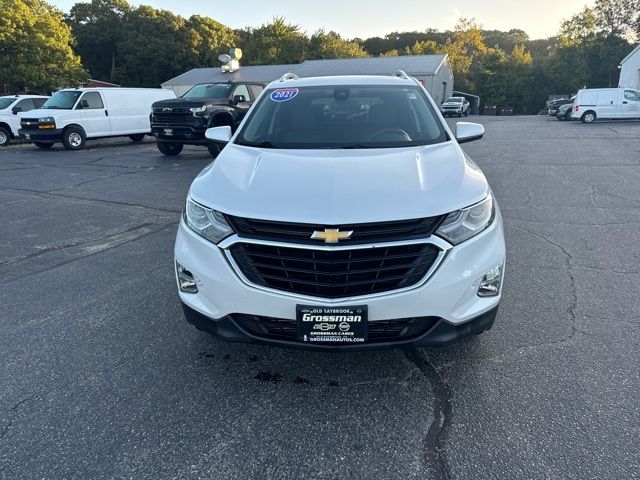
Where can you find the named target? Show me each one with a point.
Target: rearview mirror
(468, 132)
(219, 134)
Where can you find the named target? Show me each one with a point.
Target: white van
(10, 106)
(72, 116)
(606, 103)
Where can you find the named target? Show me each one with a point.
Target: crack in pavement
(13, 409)
(571, 310)
(436, 437)
(88, 249)
(98, 201)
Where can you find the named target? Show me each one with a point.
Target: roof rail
(401, 74)
(288, 76)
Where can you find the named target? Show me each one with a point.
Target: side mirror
(84, 104)
(468, 132)
(16, 110)
(238, 99)
(219, 134)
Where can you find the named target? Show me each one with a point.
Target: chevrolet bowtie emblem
(331, 235)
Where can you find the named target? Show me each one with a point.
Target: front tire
(74, 138)
(588, 117)
(138, 137)
(43, 146)
(5, 137)
(170, 149)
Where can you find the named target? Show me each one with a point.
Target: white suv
(10, 108)
(342, 214)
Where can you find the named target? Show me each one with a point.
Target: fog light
(490, 285)
(186, 282)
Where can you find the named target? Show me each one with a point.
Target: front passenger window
(241, 90)
(93, 99)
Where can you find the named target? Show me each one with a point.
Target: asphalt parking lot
(101, 377)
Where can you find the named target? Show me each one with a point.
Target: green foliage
(98, 26)
(144, 46)
(273, 43)
(35, 47)
(324, 45)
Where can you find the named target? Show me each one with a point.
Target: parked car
(72, 116)
(554, 105)
(607, 103)
(10, 107)
(183, 121)
(455, 106)
(341, 214)
(564, 112)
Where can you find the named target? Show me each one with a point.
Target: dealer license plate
(336, 325)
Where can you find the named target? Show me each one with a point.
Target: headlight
(206, 222)
(199, 110)
(464, 224)
(47, 122)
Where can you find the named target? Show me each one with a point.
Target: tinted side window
(631, 95)
(241, 90)
(255, 90)
(25, 105)
(94, 100)
(39, 101)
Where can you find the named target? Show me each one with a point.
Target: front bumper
(41, 136)
(186, 134)
(441, 333)
(449, 295)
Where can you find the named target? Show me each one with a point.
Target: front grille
(29, 123)
(335, 273)
(362, 232)
(402, 329)
(177, 115)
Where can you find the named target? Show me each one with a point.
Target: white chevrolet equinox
(342, 214)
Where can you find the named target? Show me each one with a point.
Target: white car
(606, 103)
(455, 106)
(342, 214)
(72, 116)
(10, 107)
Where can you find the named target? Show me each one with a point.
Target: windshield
(209, 90)
(454, 100)
(64, 100)
(342, 117)
(6, 101)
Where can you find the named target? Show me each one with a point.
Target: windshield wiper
(264, 144)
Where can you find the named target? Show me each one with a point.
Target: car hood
(334, 187)
(44, 112)
(187, 102)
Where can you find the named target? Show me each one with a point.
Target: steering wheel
(390, 135)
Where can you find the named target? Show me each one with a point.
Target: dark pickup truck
(183, 121)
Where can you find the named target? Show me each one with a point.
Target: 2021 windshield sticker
(284, 94)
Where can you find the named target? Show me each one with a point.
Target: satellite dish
(224, 58)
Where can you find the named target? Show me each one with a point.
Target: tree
(98, 27)
(425, 47)
(35, 47)
(212, 38)
(273, 43)
(155, 47)
(324, 45)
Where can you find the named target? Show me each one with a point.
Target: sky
(369, 18)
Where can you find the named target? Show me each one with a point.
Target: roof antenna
(401, 74)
